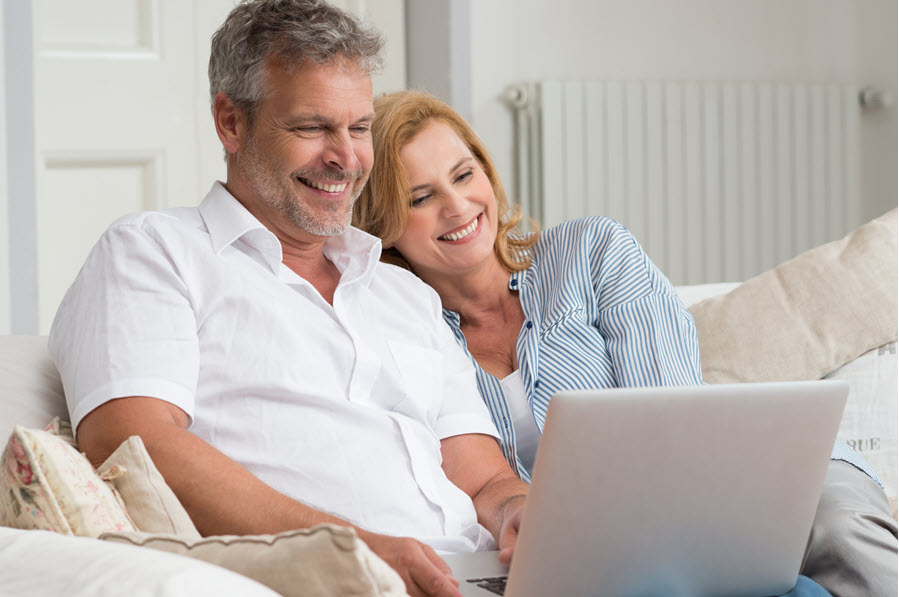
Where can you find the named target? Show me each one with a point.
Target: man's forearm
(498, 499)
(221, 496)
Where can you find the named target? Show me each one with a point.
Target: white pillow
(869, 421)
(46, 563)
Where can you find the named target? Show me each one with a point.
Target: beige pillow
(325, 560)
(130, 472)
(808, 316)
(46, 484)
(151, 503)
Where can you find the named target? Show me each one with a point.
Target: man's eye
(308, 129)
(360, 130)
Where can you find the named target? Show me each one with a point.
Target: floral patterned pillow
(47, 484)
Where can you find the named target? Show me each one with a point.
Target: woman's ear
(230, 122)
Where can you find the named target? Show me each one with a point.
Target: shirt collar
(354, 253)
(227, 220)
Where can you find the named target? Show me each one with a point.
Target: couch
(831, 312)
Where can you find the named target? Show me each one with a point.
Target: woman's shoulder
(590, 231)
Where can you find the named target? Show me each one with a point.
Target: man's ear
(230, 122)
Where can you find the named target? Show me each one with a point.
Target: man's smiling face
(309, 151)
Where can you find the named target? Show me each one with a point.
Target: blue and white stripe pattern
(598, 314)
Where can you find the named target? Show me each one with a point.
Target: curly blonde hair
(383, 206)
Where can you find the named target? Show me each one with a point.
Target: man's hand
(512, 510)
(475, 464)
(424, 573)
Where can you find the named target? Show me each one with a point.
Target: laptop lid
(693, 491)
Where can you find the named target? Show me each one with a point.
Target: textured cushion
(42, 564)
(869, 421)
(808, 316)
(46, 484)
(322, 561)
(129, 471)
(150, 502)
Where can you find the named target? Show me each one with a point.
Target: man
(278, 373)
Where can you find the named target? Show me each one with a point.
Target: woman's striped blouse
(598, 314)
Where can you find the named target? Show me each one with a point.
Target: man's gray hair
(295, 31)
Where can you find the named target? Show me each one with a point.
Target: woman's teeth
(328, 188)
(462, 233)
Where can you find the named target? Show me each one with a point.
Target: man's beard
(280, 193)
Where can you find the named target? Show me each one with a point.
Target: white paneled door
(122, 118)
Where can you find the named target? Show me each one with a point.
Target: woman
(577, 306)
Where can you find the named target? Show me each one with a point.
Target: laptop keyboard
(494, 584)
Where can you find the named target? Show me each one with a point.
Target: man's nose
(340, 152)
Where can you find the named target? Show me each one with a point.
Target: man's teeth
(328, 188)
(462, 233)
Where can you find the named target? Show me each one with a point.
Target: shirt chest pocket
(420, 371)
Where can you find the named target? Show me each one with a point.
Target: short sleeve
(126, 326)
(462, 411)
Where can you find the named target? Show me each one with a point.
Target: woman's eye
(417, 201)
(464, 176)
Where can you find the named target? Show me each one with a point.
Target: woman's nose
(454, 203)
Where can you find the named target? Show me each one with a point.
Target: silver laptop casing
(693, 491)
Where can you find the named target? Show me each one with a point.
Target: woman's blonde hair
(383, 207)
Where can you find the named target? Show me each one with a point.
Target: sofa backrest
(30, 389)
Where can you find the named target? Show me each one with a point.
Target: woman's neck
(478, 295)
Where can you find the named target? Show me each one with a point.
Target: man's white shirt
(342, 408)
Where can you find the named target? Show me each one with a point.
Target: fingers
(438, 561)
(433, 582)
(423, 571)
(508, 535)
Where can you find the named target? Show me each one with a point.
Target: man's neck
(301, 251)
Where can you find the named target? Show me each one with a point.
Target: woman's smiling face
(452, 222)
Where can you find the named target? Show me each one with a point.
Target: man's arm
(222, 497)
(476, 465)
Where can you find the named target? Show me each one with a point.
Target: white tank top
(526, 433)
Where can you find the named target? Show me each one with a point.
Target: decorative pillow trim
(321, 561)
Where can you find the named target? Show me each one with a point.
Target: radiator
(718, 181)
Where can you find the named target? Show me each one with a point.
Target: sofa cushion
(39, 563)
(129, 471)
(46, 484)
(808, 316)
(322, 561)
(869, 421)
(150, 502)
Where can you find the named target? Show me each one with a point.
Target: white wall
(876, 64)
(766, 40)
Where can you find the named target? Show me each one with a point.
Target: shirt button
(514, 282)
(536, 384)
(529, 325)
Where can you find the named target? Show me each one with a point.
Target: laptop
(685, 491)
